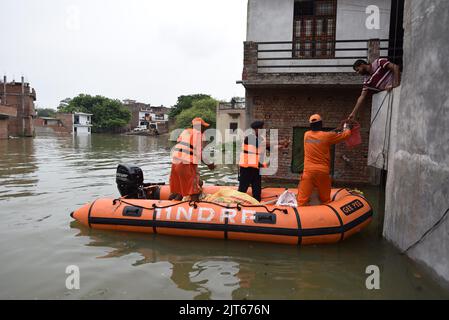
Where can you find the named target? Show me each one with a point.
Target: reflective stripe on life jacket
(250, 156)
(184, 150)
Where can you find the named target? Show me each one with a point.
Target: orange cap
(201, 121)
(315, 118)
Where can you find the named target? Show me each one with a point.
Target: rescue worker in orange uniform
(251, 160)
(187, 154)
(317, 154)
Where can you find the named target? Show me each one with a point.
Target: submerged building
(16, 109)
(409, 140)
(298, 58)
(145, 116)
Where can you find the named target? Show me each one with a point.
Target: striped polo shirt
(380, 78)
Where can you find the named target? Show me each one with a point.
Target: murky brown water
(43, 179)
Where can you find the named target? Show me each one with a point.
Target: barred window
(314, 29)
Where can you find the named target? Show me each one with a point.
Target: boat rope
(429, 231)
(194, 204)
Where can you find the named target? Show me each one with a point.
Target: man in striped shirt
(380, 75)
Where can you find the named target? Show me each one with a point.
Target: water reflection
(18, 167)
(58, 174)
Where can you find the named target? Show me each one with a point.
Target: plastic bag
(287, 198)
(355, 138)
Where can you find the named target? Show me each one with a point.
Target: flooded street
(43, 179)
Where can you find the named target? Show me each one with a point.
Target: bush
(204, 108)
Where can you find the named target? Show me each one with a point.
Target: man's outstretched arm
(359, 103)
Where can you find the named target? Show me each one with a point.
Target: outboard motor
(129, 179)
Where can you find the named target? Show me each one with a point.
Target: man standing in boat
(380, 75)
(317, 145)
(187, 154)
(251, 160)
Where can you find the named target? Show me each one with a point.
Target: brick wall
(3, 128)
(22, 125)
(284, 109)
(66, 120)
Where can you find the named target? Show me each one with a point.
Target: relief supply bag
(287, 198)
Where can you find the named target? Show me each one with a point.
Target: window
(233, 126)
(314, 29)
(76, 120)
(298, 150)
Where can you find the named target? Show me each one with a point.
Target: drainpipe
(373, 50)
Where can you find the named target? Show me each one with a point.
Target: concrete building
(72, 123)
(409, 139)
(16, 109)
(145, 116)
(298, 59)
(82, 123)
(231, 118)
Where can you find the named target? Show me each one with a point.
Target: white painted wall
(84, 119)
(270, 20)
(82, 130)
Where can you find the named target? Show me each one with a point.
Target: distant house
(231, 118)
(78, 123)
(298, 58)
(82, 123)
(145, 116)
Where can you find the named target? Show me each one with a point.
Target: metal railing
(231, 106)
(306, 54)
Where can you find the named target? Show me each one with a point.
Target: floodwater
(43, 179)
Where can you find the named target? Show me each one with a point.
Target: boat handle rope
(194, 204)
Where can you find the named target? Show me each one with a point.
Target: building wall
(284, 109)
(273, 21)
(3, 128)
(270, 20)
(224, 119)
(83, 119)
(67, 120)
(417, 190)
(22, 125)
(82, 130)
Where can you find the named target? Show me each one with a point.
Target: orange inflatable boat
(152, 212)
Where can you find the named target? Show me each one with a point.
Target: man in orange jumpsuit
(187, 153)
(317, 145)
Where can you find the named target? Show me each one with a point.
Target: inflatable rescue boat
(145, 208)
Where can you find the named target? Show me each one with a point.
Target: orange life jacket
(185, 150)
(250, 157)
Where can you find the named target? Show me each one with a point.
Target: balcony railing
(231, 106)
(318, 56)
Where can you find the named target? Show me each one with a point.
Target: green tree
(106, 113)
(204, 108)
(184, 103)
(45, 112)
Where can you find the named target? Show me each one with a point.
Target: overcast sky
(148, 50)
